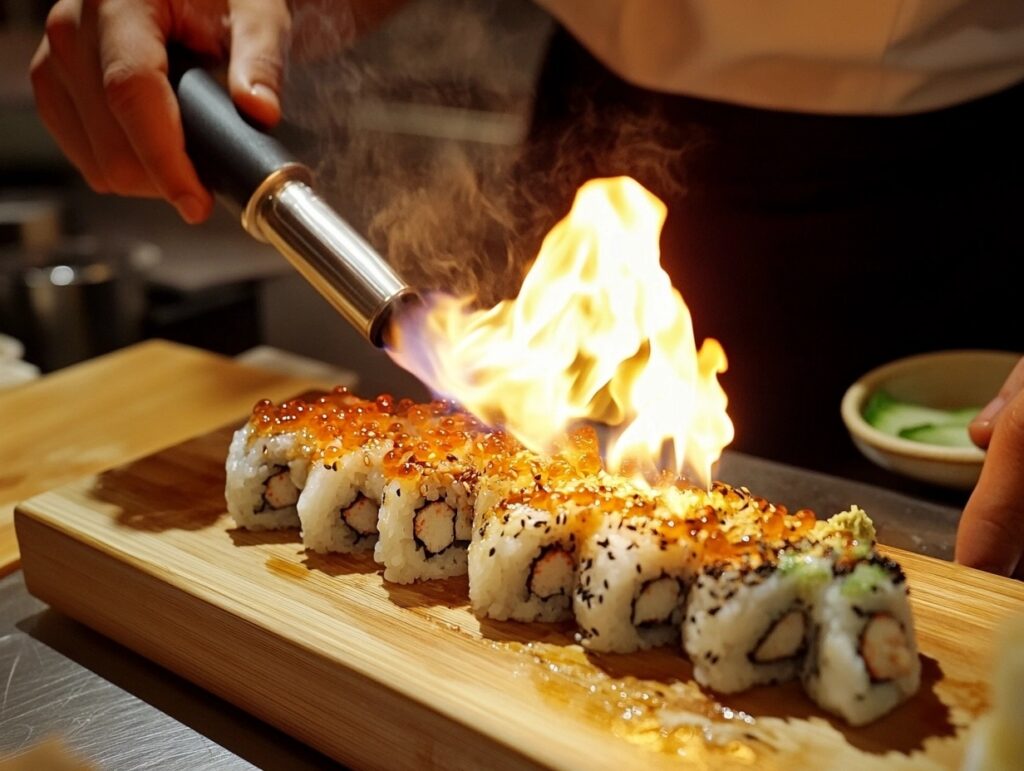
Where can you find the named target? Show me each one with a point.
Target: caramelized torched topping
(726, 524)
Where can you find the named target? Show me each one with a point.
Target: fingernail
(991, 410)
(190, 208)
(265, 93)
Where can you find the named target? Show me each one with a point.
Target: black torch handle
(232, 156)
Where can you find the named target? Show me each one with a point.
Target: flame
(596, 333)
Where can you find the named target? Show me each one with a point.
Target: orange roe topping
(725, 523)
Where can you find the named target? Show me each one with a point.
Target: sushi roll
(531, 512)
(265, 474)
(522, 564)
(634, 573)
(747, 624)
(340, 504)
(427, 507)
(632, 588)
(425, 524)
(862, 658)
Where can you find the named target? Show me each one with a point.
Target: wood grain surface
(380, 675)
(116, 408)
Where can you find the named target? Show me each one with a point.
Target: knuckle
(123, 85)
(265, 68)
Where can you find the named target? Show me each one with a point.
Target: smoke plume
(423, 136)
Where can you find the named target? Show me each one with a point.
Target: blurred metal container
(76, 300)
(30, 222)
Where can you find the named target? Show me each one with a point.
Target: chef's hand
(991, 533)
(100, 82)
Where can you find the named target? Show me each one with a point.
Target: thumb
(259, 40)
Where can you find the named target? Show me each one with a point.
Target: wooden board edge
(102, 592)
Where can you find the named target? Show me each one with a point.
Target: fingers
(991, 532)
(135, 89)
(100, 83)
(259, 40)
(60, 117)
(981, 427)
(73, 35)
(100, 79)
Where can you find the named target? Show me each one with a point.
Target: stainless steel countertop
(118, 710)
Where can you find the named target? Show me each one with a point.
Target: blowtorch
(254, 173)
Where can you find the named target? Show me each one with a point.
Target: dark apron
(813, 247)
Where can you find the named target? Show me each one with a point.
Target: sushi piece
(426, 522)
(264, 477)
(340, 504)
(749, 625)
(522, 565)
(862, 658)
(531, 513)
(996, 741)
(635, 570)
(427, 507)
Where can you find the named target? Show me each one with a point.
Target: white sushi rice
(405, 556)
(730, 615)
(507, 549)
(837, 674)
(354, 479)
(631, 587)
(252, 462)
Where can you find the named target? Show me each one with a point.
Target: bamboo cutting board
(115, 408)
(380, 675)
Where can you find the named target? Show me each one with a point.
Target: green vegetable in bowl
(947, 428)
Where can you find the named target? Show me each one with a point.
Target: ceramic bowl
(943, 380)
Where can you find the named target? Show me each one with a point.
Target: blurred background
(83, 274)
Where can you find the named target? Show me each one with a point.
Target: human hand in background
(991, 532)
(101, 87)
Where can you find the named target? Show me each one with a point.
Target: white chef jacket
(823, 56)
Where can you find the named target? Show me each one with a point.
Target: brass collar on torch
(275, 180)
(286, 212)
